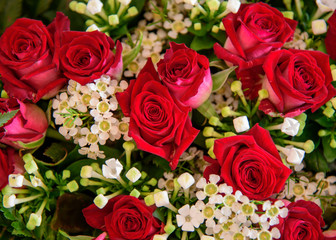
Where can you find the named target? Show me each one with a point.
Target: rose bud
(26, 58)
(186, 74)
(27, 128)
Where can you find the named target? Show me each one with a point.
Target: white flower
(112, 168)
(94, 6)
(133, 174)
(290, 126)
(241, 124)
(189, 218)
(15, 180)
(326, 5)
(326, 185)
(186, 180)
(191, 2)
(295, 155)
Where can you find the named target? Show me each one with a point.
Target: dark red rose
(250, 163)
(303, 222)
(10, 162)
(159, 123)
(186, 74)
(26, 58)
(27, 128)
(85, 56)
(124, 217)
(254, 31)
(296, 80)
(330, 38)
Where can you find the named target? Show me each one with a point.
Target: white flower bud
(86, 172)
(133, 174)
(326, 5)
(233, 5)
(241, 124)
(290, 126)
(319, 26)
(186, 180)
(191, 2)
(36, 182)
(15, 180)
(100, 201)
(160, 236)
(9, 201)
(161, 199)
(92, 28)
(205, 237)
(94, 6)
(112, 168)
(31, 167)
(34, 221)
(125, 2)
(295, 155)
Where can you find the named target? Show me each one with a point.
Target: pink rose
(186, 74)
(27, 128)
(85, 56)
(26, 58)
(304, 221)
(159, 124)
(254, 31)
(296, 81)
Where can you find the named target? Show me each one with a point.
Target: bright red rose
(304, 221)
(26, 58)
(330, 38)
(250, 163)
(124, 217)
(27, 128)
(159, 123)
(186, 74)
(296, 80)
(85, 56)
(10, 162)
(254, 31)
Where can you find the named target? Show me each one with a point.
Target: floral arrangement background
(168, 119)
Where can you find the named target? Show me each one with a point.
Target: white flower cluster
(299, 41)
(89, 114)
(313, 189)
(225, 214)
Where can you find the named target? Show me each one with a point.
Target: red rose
(186, 74)
(27, 128)
(26, 58)
(254, 31)
(124, 217)
(330, 38)
(304, 222)
(159, 124)
(249, 163)
(10, 162)
(296, 80)
(85, 56)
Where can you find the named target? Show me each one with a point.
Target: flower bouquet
(168, 119)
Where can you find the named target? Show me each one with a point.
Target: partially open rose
(254, 31)
(159, 123)
(186, 74)
(27, 128)
(26, 58)
(250, 163)
(296, 80)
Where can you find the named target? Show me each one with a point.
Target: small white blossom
(112, 168)
(186, 180)
(189, 218)
(241, 124)
(290, 126)
(94, 6)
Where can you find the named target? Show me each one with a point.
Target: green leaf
(42, 6)
(329, 215)
(316, 162)
(219, 78)
(81, 237)
(325, 122)
(204, 42)
(5, 117)
(329, 152)
(218, 64)
(131, 55)
(57, 152)
(207, 109)
(10, 11)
